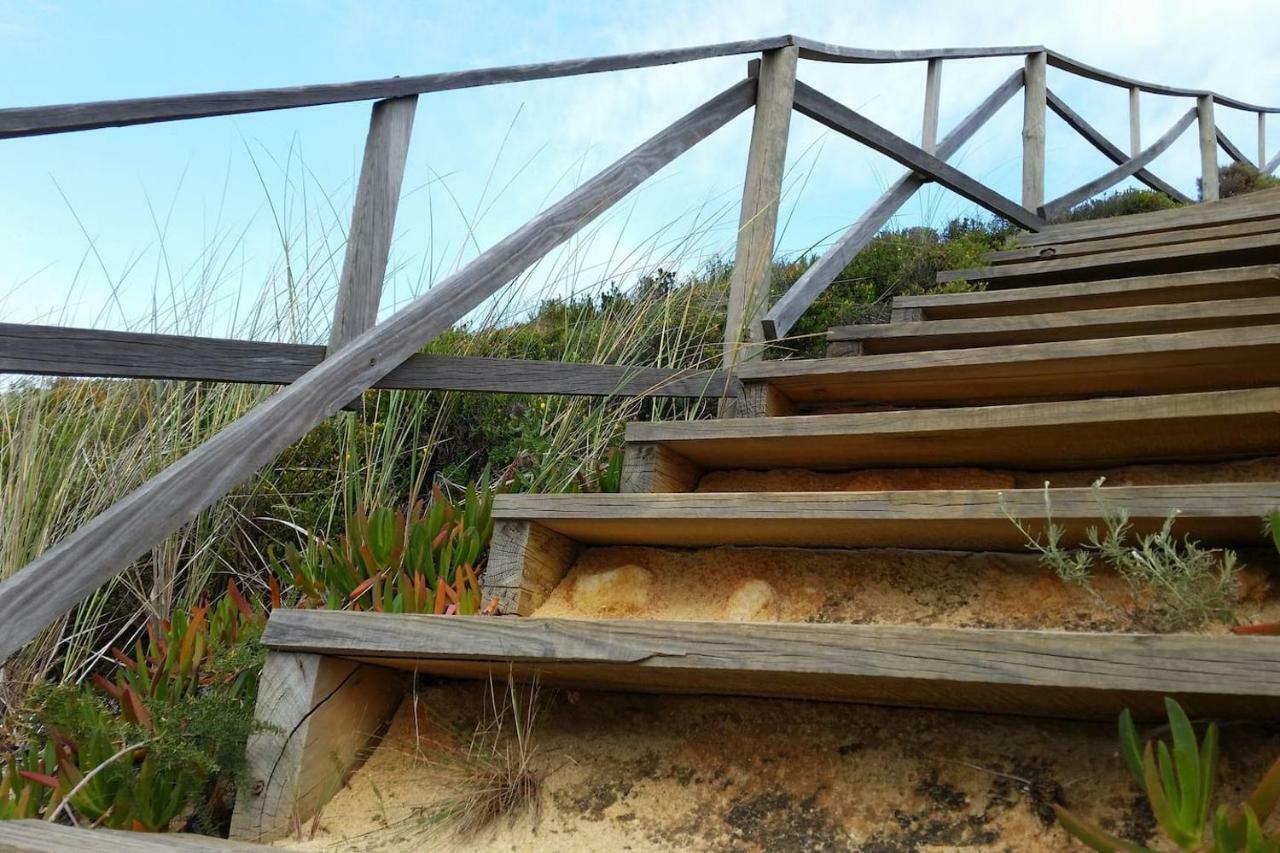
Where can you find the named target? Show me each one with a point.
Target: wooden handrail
(61, 351)
(64, 118)
(62, 576)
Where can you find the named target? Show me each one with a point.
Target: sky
(234, 225)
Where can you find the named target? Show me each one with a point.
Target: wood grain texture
(932, 102)
(1033, 109)
(763, 400)
(1155, 364)
(320, 715)
(1231, 283)
(827, 52)
(38, 836)
(1076, 434)
(966, 668)
(1095, 138)
(1108, 179)
(1218, 513)
(106, 544)
(1135, 121)
(1058, 326)
(758, 215)
(1208, 149)
(373, 219)
(62, 351)
(788, 309)
(1068, 248)
(526, 561)
(1261, 204)
(1177, 257)
(651, 467)
(32, 121)
(838, 117)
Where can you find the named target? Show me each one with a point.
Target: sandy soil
(884, 586)
(628, 772)
(885, 479)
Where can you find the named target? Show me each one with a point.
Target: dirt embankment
(632, 772)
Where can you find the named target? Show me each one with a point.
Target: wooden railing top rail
(65, 118)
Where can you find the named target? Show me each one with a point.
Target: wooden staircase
(1062, 369)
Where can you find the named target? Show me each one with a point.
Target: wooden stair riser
(1057, 673)
(1042, 251)
(1196, 286)
(671, 457)
(1043, 328)
(1160, 364)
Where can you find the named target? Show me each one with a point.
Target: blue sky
(186, 225)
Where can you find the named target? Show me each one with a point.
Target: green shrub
(1118, 203)
(1178, 783)
(1239, 179)
(422, 561)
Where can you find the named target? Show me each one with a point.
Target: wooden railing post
(1208, 149)
(373, 219)
(1262, 140)
(1033, 108)
(1135, 121)
(932, 100)
(758, 219)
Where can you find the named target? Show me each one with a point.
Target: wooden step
(671, 456)
(1197, 286)
(1031, 672)
(1225, 513)
(30, 836)
(1147, 260)
(1058, 326)
(1043, 250)
(1256, 205)
(1152, 364)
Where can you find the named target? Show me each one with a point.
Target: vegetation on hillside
(152, 739)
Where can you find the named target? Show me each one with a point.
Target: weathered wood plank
(827, 52)
(1028, 671)
(526, 561)
(1170, 258)
(38, 836)
(652, 467)
(32, 121)
(1033, 108)
(758, 215)
(1219, 513)
(762, 400)
(838, 117)
(784, 314)
(1153, 364)
(1077, 434)
(1135, 121)
(62, 351)
(1073, 119)
(932, 102)
(1059, 326)
(373, 219)
(1262, 140)
(1086, 191)
(1067, 249)
(320, 715)
(1208, 149)
(1200, 285)
(1261, 204)
(106, 544)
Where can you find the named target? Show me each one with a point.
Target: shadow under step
(672, 456)
(1197, 286)
(1063, 245)
(1059, 326)
(1150, 364)
(1028, 672)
